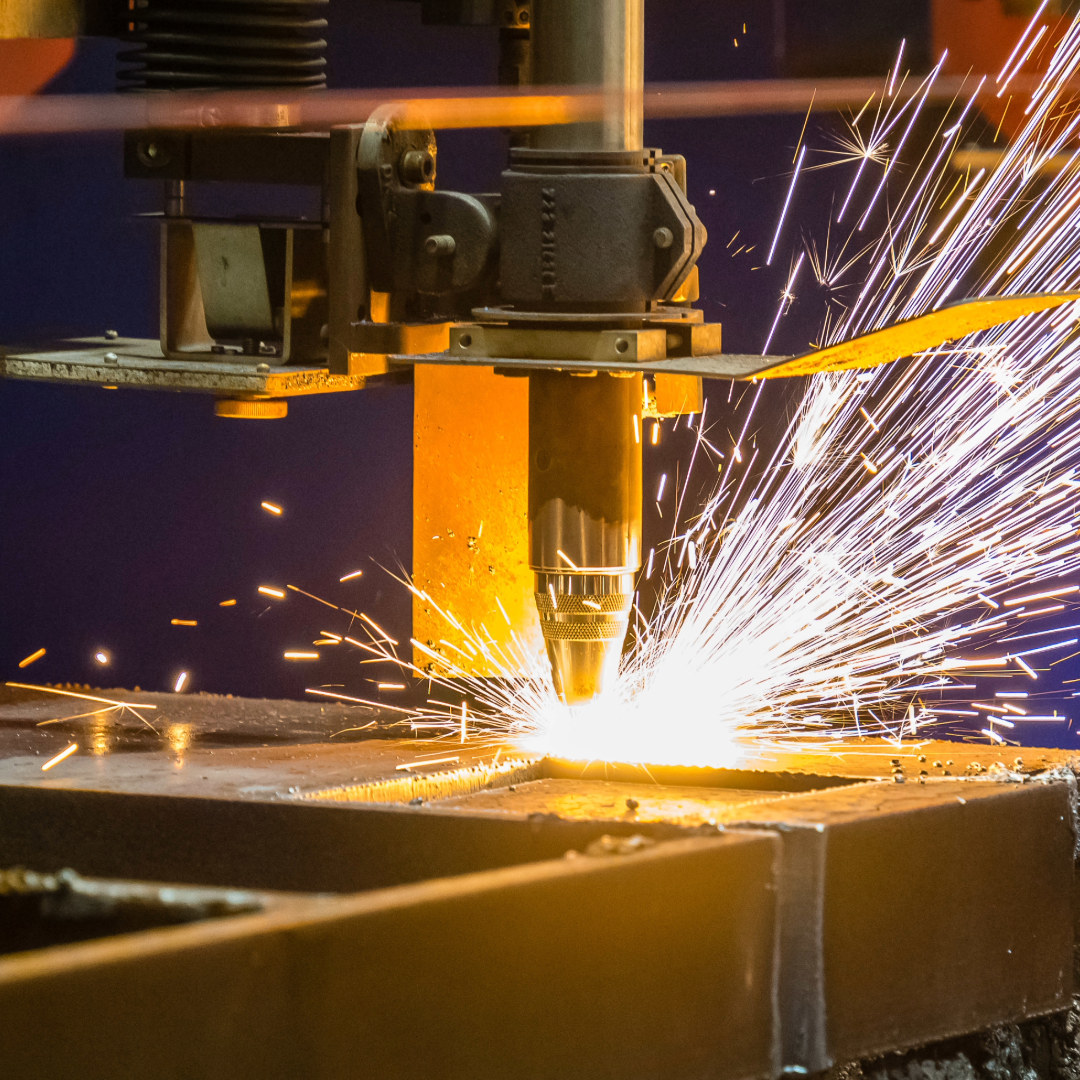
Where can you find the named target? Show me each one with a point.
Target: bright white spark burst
(842, 586)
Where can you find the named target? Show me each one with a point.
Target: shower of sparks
(910, 516)
(181, 682)
(27, 661)
(271, 508)
(62, 756)
(102, 657)
(227, 603)
(354, 574)
(787, 206)
(787, 298)
(184, 622)
(277, 594)
(297, 655)
(846, 577)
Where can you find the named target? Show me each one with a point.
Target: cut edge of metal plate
(450, 783)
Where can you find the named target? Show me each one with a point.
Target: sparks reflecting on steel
(913, 523)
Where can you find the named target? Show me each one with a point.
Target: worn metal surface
(470, 512)
(666, 969)
(139, 363)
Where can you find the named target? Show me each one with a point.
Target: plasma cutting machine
(580, 273)
(368, 905)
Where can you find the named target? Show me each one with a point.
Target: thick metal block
(659, 964)
(917, 912)
(470, 511)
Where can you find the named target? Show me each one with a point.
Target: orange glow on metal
(470, 497)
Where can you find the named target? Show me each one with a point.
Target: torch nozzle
(584, 619)
(584, 522)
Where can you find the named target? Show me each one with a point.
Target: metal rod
(592, 43)
(446, 108)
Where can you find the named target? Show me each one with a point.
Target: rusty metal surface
(666, 969)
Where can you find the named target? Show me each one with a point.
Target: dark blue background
(122, 510)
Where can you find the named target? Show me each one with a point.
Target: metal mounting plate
(139, 363)
(902, 339)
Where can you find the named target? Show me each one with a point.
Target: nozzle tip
(584, 670)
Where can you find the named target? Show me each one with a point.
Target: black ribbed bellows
(225, 44)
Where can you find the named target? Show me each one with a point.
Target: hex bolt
(440, 245)
(112, 358)
(111, 335)
(663, 238)
(417, 167)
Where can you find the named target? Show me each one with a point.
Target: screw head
(663, 238)
(440, 245)
(417, 167)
